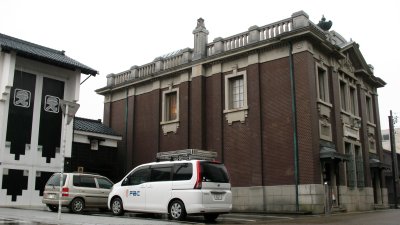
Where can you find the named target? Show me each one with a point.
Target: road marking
(247, 220)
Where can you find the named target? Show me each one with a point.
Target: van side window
(183, 171)
(137, 177)
(161, 173)
(104, 183)
(84, 181)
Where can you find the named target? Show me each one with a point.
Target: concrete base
(282, 199)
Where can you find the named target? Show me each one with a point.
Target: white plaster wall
(32, 161)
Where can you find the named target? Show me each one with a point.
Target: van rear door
(215, 184)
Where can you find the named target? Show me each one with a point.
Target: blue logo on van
(134, 193)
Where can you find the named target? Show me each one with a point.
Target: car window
(137, 177)
(214, 172)
(55, 180)
(183, 171)
(161, 173)
(84, 181)
(104, 183)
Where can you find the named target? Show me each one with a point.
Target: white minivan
(174, 187)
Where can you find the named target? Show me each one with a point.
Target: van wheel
(77, 205)
(211, 217)
(117, 208)
(177, 210)
(52, 208)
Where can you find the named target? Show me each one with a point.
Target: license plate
(217, 196)
(51, 196)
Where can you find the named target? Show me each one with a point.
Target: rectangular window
(370, 112)
(343, 95)
(171, 106)
(182, 171)
(323, 90)
(236, 92)
(353, 101)
(385, 137)
(161, 173)
(235, 95)
(349, 166)
(359, 166)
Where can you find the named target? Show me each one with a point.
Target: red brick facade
(259, 147)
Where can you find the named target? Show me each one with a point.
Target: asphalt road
(11, 216)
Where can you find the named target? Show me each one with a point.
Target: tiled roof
(93, 126)
(43, 54)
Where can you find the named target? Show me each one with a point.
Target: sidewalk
(46, 217)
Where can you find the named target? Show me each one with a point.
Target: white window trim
(370, 109)
(238, 114)
(169, 125)
(326, 82)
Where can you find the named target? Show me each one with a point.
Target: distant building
(386, 139)
(387, 155)
(285, 102)
(388, 160)
(94, 148)
(33, 81)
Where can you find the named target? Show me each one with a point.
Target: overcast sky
(112, 36)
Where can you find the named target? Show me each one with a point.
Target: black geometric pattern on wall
(41, 179)
(19, 124)
(14, 182)
(50, 117)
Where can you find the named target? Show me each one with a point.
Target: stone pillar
(134, 72)
(254, 34)
(300, 19)
(186, 55)
(159, 64)
(110, 79)
(200, 40)
(218, 45)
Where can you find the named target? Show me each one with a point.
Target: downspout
(294, 124)
(126, 127)
(261, 139)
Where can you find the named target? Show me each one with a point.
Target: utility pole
(394, 158)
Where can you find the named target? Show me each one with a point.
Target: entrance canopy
(328, 153)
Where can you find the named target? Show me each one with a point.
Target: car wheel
(77, 205)
(211, 217)
(117, 208)
(177, 210)
(53, 208)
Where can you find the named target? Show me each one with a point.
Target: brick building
(287, 106)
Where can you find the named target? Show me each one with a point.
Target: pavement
(41, 216)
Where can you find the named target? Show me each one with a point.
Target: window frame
(324, 93)
(354, 165)
(240, 113)
(369, 108)
(165, 105)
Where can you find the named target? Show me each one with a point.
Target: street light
(69, 110)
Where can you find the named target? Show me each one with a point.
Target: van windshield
(55, 180)
(214, 172)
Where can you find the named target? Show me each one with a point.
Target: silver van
(79, 191)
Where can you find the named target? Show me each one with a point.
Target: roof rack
(186, 154)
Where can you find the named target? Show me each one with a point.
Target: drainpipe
(126, 126)
(294, 124)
